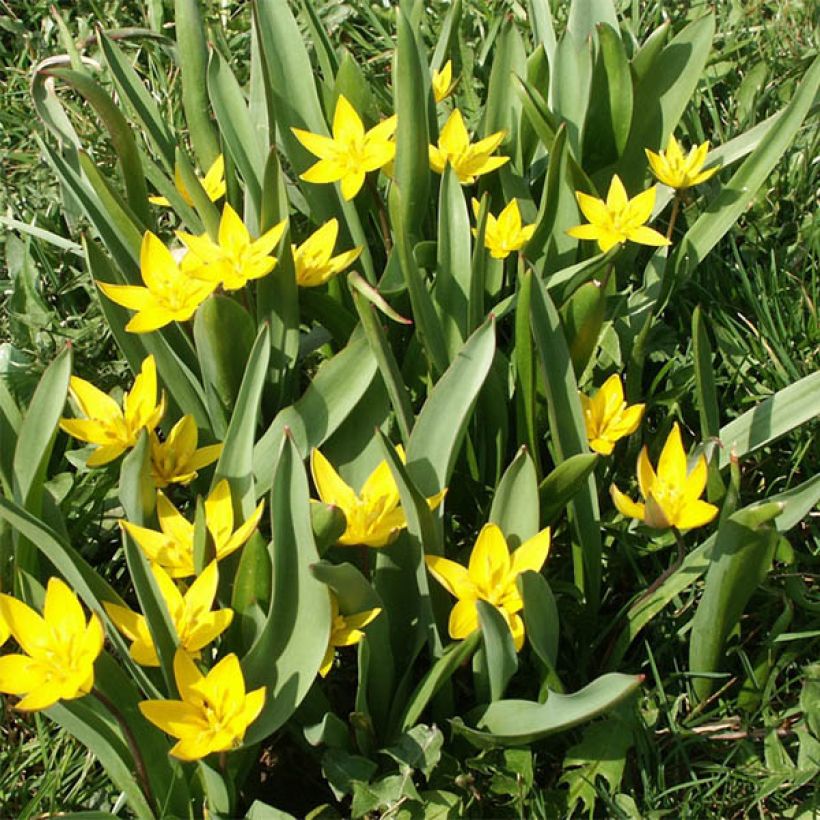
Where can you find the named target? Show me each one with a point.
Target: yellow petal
(452, 576)
(318, 145)
(20, 674)
(28, 627)
(174, 717)
(594, 210)
(124, 619)
(331, 488)
(647, 236)
(200, 595)
(131, 296)
(640, 207)
(490, 559)
(219, 512)
(616, 198)
(351, 184)
(152, 319)
(327, 660)
(93, 402)
(454, 139)
(463, 619)
(625, 505)
(187, 676)
(646, 474)
(234, 237)
(696, 480)
(532, 554)
(695, 514)
(672, 462)
(242, 534)
(207, 628)
(347, 125)
(324, 171)
(157, 265)
(43, 696)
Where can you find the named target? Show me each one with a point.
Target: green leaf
(289, 651)
(411, 90)
(499, 650)
(514, 722)
(587, 15)
(788, 408)
(515, 503)
(540, 616)
(543, 30)
(571, 80)
(417, 749)
(561, 485)
(583, 317)
(502, 111)
(524, 359)
(442, 422)
(704, 378)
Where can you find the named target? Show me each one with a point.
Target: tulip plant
(390, 350)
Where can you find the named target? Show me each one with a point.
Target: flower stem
(381, 210)
(673, 218)
(139, 763)
(673, 568)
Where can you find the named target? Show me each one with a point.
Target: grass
(740, 755)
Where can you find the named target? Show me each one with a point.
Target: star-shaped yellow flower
(173, 547)
(351, 152)
(505, 234)
(374, 515)
(172, 293)
(468, 160)
(213, 184)
(235, 258)
(677, 171)
(607, 416)
(314, 259)
(112, 429)
(442, 82)
(214, 711)
(618, 219)
(60, 649)
(672, 496)
(177, 459)
(195, 622)
(490, 576)
(345, 630)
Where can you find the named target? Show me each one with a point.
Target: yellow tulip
(374, 516)
(672, 495)
(351, 152)
(235, 258)
(177, 459)
(112, 429)
(442, 82)
(214, 711)
(677, 171)
(173, 547)
(619, 219)
(345, 630)
(195, 624)
(314, 259)
(607, 416)
(505, 234)
(172, 293)
(60, 649)
(490, 576)
(469, 160)
(213, 184)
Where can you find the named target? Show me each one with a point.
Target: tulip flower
(112, 429)
(213, 184)
(619, 219)
(505, 234)
(469, 160)
(677, 171)
(374, 516)
(195, 623)
(345, 630)
(235, 258)
(490, 576)
(351, 152)
(173, 547)
(314, 260)
(60, 649)
(672, 495)
(442, 82)
(214, 711)
(171, 293)
(607, 416)
(177, 459)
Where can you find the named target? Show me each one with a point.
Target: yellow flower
(672, 496)
(468, 160)
(351, 152)
(173, 547)
(677, 171)
(443, 84)
(171, 293)
(214, 712)
(505, 234)
(374, 517)
(490, 576)
(345, 630)
(112, 429)
(235, 258)
(177, 459)
(213, 184)
(314, 261)
(60, 649)
(618, 219)
(607, 416)
(5, 632)
(196, 625)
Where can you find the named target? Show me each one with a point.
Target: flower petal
(331, 488)
(463, 619)
(695, 514)
(625, 505)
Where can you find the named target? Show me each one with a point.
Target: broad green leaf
(540, 616)
(288, 652)
(774, 417)
(583, 317)
(516, 722)
(515, 503)
(571, 80)
(543, 30)
(447, 37)
(585, 16)
(442, 423)
(502, 111)
(559, 487)
(499, 651)
(644, 60)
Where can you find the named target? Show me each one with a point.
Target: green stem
(673, 568)
(381, 210)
